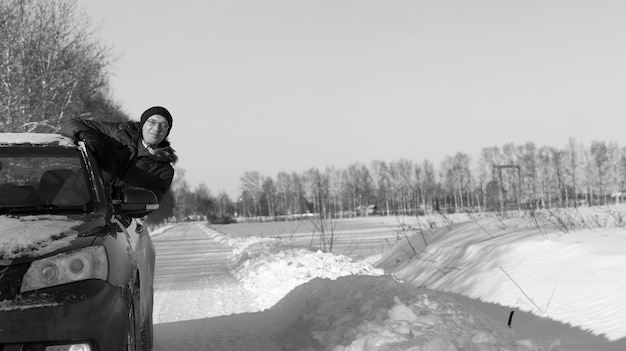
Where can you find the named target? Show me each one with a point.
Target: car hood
(34, 236)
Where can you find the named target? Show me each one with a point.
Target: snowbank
(380, 313)
(567, 266)
(329, 302)
(269, 271)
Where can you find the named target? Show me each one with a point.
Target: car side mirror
(136, 202)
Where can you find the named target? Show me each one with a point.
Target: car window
(35, 178)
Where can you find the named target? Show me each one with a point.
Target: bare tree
(622, 170)
(202, 200)
(545, 178)
(600, 164)
(380, 179)
(417, 195)
(335, 187)
(463, 176)
(301, 202)
(613, 174)
(573, 156)
(457, 177)
(401, 177)
(558, 160)
(489, 158)
(225, 205)
(50, 65)
(12, 77)
(251, 193)
(352, 178)
(268, 202)
(318, 191)
(180, 187)
(429, 185)
(528, 161)
(285, 193)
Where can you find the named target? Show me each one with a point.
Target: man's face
(154, 130)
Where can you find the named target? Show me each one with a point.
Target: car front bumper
(91, 311)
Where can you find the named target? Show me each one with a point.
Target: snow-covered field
(310, 300)
(574, 276)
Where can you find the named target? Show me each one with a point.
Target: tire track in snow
(193, 278)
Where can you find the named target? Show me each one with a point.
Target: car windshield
(42, 179)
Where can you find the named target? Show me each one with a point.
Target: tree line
(503, 178)
(508, 177)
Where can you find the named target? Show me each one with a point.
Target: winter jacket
(125, 161)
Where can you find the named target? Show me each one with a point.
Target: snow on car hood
(35, 139)
(35, 235)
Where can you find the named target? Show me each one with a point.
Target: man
(130, 153)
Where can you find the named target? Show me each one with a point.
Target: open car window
(43, 179)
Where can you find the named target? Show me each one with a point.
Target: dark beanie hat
(156, 110)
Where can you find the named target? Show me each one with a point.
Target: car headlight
(88, 263)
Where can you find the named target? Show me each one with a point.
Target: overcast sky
(274, 86)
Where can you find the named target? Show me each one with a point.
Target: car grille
(11, 280)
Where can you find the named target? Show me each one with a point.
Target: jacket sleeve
(111, 156)
(162, 185)
(72, 126)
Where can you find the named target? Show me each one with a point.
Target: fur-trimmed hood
(129, 133)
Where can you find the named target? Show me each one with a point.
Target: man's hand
(92, 140)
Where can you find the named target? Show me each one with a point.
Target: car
(76, 265)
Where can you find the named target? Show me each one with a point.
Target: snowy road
(194, 268)
(198, 303)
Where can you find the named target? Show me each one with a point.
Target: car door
(138, 238)
(141, 244)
